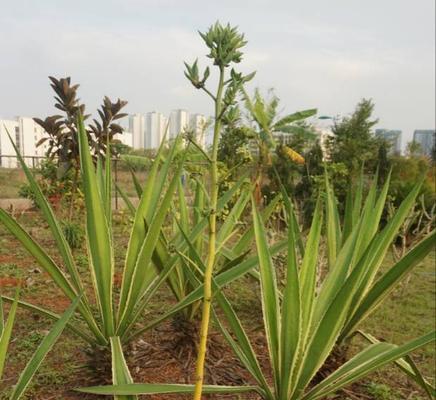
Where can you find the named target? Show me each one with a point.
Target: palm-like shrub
(304, 321)
(139, 274)
(191, 203)
(152, 259)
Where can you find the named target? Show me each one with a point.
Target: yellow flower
(293, 155)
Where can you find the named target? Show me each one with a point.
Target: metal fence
(7, 161)
(120, 168)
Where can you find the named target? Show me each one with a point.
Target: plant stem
(73, 192)
(207, 299)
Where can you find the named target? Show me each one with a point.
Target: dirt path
(19, 204)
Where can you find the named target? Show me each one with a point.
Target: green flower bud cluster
(224, 43)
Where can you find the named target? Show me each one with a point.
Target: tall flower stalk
(224, 43)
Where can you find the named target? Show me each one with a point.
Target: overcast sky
(323, 54)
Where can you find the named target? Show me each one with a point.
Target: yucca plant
(320, 317)
(192, 202)
(139, 274)
(150, 258)
(303, 321)
(44, 347)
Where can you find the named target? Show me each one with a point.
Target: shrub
(73, 234)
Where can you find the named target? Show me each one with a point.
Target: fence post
(116, 183)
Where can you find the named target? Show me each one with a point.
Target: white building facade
(179, 122)
(25, 133)
(137, 129)
(125, 138)
(155, 127)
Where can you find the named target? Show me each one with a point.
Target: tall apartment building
(149, 130)
(179, 121)
(392, 136)
(125, 138)
(198, 124)
(137, 128)
(427, 139)
(25, 133)
(155, 126)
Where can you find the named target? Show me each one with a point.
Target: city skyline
(320, 125)
(310, 53)
(142, 131)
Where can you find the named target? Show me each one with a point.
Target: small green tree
(353, 142)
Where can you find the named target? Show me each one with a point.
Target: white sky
(323, 54)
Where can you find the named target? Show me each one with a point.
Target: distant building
(179, 121)
(137, 128)
(25, 133)
(125, 138)
(427, 139)
(198, 125)
(155, 126)
(282, 137)
(393, 137)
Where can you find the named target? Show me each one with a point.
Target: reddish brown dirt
(10, 282)
(12, 259)
(57, 304)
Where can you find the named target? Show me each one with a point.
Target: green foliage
(303, 318)
(63, 143)
(268, 124)
(51, 185)
(150, 260)
(381, 391)
(353, 142)
(44, 347)
(303, 182)
(73, 233)
(233, 153)
(405, 172)
(233, 148)
(303, 329)
(6, 331)
(120, 148)
(97, 194)
(224, 43)
(264, 113)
